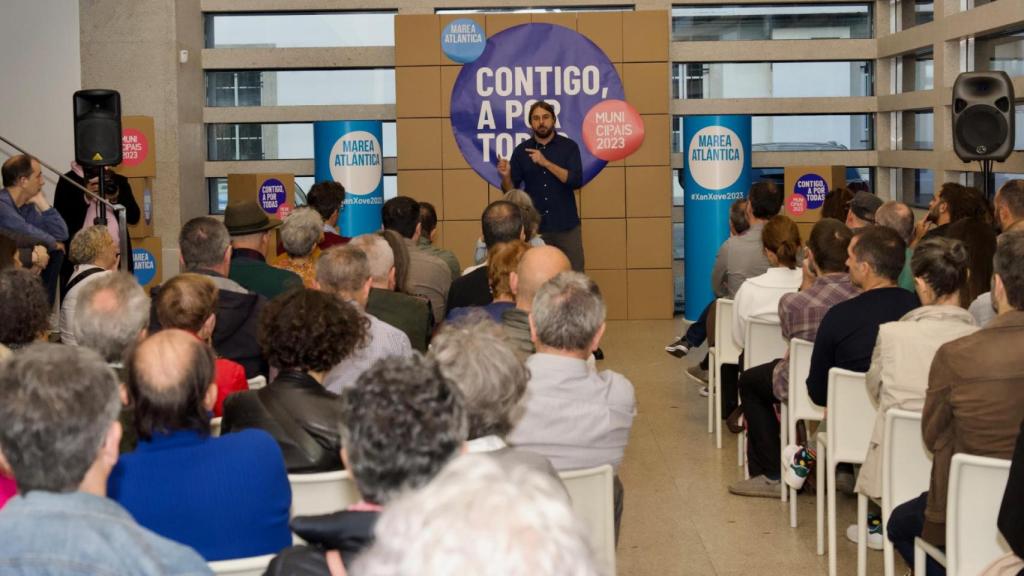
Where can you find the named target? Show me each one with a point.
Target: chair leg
(888, 553)
(717, 367)
(711, 393)
(820, 476)
(919, 559)
(862, 535)
(830, 488)
(783, 427)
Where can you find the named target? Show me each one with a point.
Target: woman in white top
(758, 297)
(94, 253)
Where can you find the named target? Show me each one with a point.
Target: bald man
(898, 216)
(537, 266)
(182, 483)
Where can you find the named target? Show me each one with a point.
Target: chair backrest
(725, 346)
(906, 463)
(976, 486)
(592, 500)
(253, 566)
(801, 407)
(257, 382)
(762, 343)
(850, 415)
(215, 426)
(322, 493)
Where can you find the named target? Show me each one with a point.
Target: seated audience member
(758, 297)
(18, 251)
(94, 253)
(249, 227)
(863, 207)
(59, 406)
(205, 249)
(501, 221)
(189, 302)
(400, 252)
(763, 387)
(25, 314)
(531, 226)
(429, 276)
(1009, 212)
(979, 239)
(837, 204)
(501, 264)
(328, 198)
(225, 497)
(535, 268)
(475, 356)
(401, 422)
(110, 317)
(900, 217)
(575, 416)
(846, 336)
(1011, 512)
(25, 212)
(345, 272)
(903, 353)
(428, 235)
(300, 234)
(409, 314)
(477, 517)
(974, 401)
(951, 203)
(304, 333)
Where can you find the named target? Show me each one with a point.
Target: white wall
(40, 64)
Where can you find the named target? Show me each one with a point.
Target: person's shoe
(797, 463)
(734, 422)
(874, 532)
(698, 373)
(704, 391)
(679, 348)
(758, 487)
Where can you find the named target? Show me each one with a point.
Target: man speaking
(549, 168)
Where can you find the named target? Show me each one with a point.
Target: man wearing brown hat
(249, 227)
(862, 210)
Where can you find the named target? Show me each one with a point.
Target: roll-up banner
(350, 152)
(717, 172)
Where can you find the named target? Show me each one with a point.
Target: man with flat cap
(862, 210)
(249, 227)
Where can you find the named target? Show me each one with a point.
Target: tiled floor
(679, 517)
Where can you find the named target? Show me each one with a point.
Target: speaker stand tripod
(986, 174)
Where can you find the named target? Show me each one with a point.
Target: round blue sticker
(145, 265)
(492, 95)
(272, 195)
(812, 187)
(463, 40)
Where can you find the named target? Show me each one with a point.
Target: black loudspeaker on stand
(98, 134)
(983, 120)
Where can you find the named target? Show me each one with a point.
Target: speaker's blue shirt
(554, 199)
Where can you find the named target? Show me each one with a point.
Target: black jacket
(1011, 513)
(473, 289)
(299, 413)
(345, 531)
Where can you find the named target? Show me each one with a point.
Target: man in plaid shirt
(826, 283)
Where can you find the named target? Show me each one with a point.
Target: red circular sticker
(797, 204)
(612, 130)
(134, 147)
(284, 210)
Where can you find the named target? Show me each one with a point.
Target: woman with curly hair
(24, 310)
(303, 334)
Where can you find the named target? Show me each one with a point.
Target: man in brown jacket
(974, 401)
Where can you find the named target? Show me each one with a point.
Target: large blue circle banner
(492, 95)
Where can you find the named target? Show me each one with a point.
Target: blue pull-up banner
(351, 152)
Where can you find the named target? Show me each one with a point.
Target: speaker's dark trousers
(570, 242)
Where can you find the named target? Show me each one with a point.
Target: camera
(110, 187)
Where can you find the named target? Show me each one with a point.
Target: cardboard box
(566, 19)
(418, 90)
(605, 195)
(448, 76)
(460, 237)
(648, 242)
(603, 29)
(146, 256)
(648, 191)
(604, 244)
(655, 149)
(613, 289)
(274, 192)
(423, 186)
(451, 156)
(497, 22)
(142, 191)
(419, 142)
(465, 195)
(647, 86)
(804, 191)
(645, 36)
(138, 147)
(650, 294)
(417, 40)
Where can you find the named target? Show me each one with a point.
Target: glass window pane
(273, 141)
(771, 22)
(305, 30)
(772, 79)
(1003, 51)
(300, 87)
(917, 130)
(533, 10)
(913, 185)
(915, 71)
(803, 132)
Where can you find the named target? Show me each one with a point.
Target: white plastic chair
(850, 416)
(725, 351)
(322, 492)
(762, 343)
(215, 426)
(253, 566)
(257, 382)
(973, 540)
(592, 497)
(799, 407)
